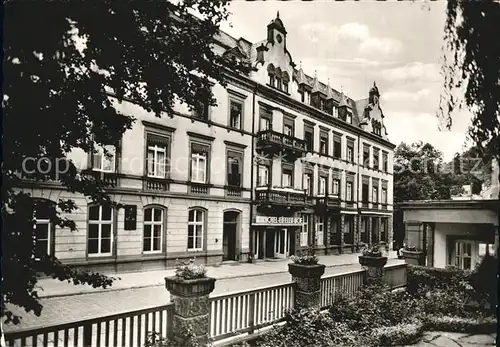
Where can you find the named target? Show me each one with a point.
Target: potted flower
(190, 280)
(372, 256)
(306, 265)
(413, 255)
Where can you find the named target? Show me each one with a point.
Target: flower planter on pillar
(191, 306)
(308, 282)
(374, 267)
(414, 257)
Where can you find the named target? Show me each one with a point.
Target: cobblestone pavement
(71, 308)
(446, 339)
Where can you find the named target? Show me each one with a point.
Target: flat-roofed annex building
(281, 162)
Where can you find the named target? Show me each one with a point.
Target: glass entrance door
(282, 243)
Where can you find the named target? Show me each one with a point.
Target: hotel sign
(264, 220)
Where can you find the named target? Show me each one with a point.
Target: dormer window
(322, 104)
(278, 83)
(285, 87)
(349, 118)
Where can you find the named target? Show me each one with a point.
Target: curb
(51, 296)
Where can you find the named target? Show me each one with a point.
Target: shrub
(484, 282)
(308, 328)
(189, 270)
(154, 339)
(477, 325)
(396, 335)
(421, 279)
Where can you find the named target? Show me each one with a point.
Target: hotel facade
(283, 161)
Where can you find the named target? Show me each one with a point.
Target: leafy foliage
(308, 328)
(399, 334)
(188, 339)
(153, 53)
(190, 271)
(483, 280)
(472, 71)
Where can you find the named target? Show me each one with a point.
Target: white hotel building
(283, 161)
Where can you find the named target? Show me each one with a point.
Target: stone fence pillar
(308, 281)
(191, 307)
(374, 267)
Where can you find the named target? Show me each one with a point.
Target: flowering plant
(371, 251)
(189, 270)
(309, 259)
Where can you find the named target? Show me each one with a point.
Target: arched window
(278, 78)
(100, 231)
(154, 221)
(196, 230)
(271, 72)
(286, 80)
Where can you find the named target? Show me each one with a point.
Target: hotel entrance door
(282, 243)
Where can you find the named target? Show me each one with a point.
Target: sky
(396, 44)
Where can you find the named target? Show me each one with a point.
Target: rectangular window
(322, 186)
(234, 169)
(100, 233)
(463, 254)
(320, 225)
(376, 159)
(350, 151)
(262, 175)
(157, 155)
(366, 156)
(308, 184)
(271, 80)
(323, 144)
(103, 159)
(287, 178)
(42, 234)
(288, 131)
(348, 191)
(348, 230)
(309, 139)
(304, 232)
(153, 230)
(285, 87)
(196, 225)
(364, 193)
(383, 232)
(364, 230)
(336, 187)
(202, 111)
(375, 195)
(384, 195)
(308, 97)
(236, 114)
(385, 165)
(199, 163)
(337, 146)
(302, 95)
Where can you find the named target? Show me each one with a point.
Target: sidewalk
(53, 288)
(98, 303)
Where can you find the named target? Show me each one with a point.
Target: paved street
(70, 308)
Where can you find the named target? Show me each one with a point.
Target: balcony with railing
(328, 201)
(106, 179)
(279, 196)
(273, 142)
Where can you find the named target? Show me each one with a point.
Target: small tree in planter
(190, 289)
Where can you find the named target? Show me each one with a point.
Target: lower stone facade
(222, 229)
